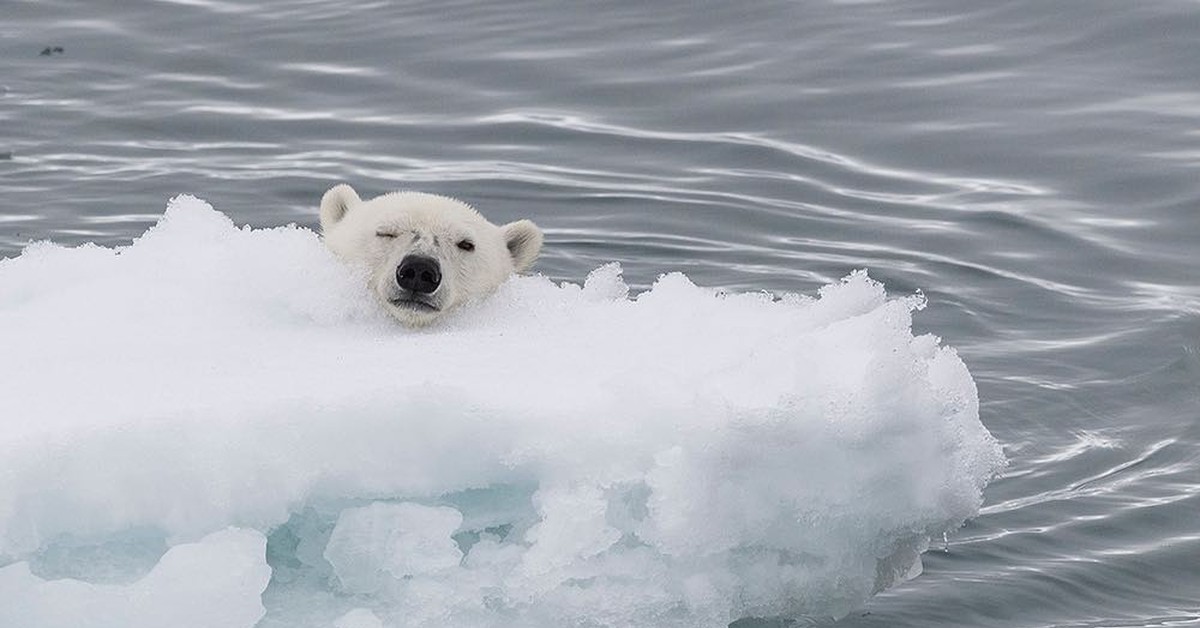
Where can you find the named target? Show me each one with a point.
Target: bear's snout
(419, 274)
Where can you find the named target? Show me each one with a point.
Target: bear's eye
(466, 245)
(384, 234)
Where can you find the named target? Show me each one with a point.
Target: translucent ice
(375, 543)
(215, 582)
(554, 455)
(358, 618)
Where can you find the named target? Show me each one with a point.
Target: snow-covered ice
(216, 426)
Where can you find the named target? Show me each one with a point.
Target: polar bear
(426, 254)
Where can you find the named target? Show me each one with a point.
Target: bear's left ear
(336, 202)
(524, 241)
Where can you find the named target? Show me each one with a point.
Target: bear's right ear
(336, 202)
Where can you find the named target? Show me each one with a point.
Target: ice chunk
(556, 454)
(213, 583)
(392, 541)
(358, 618)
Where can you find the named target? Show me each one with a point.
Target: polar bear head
(426, 254)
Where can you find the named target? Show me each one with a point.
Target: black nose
(420, 274)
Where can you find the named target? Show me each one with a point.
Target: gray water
(1032, 166)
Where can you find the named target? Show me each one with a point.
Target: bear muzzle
(419, 274)
(417, 280)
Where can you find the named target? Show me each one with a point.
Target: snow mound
(217, 426)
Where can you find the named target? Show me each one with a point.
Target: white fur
(380, 232)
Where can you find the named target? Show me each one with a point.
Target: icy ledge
(215, 427)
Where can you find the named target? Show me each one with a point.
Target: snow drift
(216, 426)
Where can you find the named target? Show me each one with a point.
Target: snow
(216, 426)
